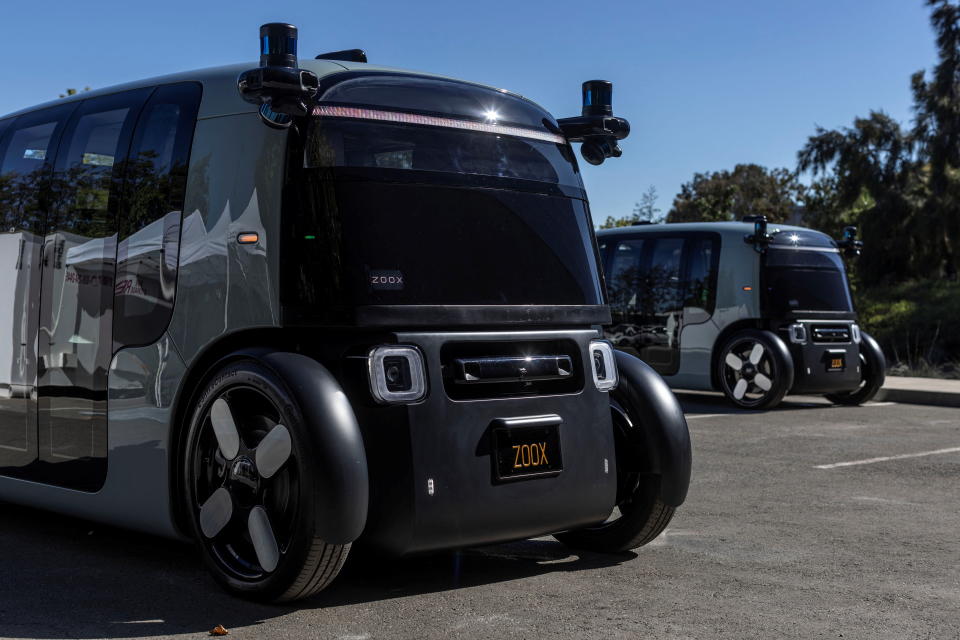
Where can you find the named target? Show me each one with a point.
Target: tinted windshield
(385, 146)
(400, 244)
(805, 279)
(411, 198)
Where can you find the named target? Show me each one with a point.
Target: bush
(917, 323)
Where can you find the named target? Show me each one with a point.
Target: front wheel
(251, 490)
(873, 367)
(639, 515)
(755, 369)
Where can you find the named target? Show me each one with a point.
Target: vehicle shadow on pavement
(68, 578)
(369, 577)
(701, 402)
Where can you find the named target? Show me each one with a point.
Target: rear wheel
(639, 515)
(250, 488)
(753, 371)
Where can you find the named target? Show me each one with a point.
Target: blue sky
(705, 84)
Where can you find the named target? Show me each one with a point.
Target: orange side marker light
(248, 238)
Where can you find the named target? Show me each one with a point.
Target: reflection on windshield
(367, 144)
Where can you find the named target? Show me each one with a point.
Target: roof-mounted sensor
(347, 55)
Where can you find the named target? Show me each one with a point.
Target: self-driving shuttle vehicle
(750, 310)
(279, 309)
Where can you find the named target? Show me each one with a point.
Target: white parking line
(921, 454)
(707, 415)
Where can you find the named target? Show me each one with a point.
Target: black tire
(639, 515)
(873, 366)
(274, 479)
(761, 381)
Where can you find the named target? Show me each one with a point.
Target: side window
(701, 281)
(78, 258)
(663, 278)
(25, 168)
(27, 148)
(646, 299)
(623, 282)
(4, 125)
(150, 215)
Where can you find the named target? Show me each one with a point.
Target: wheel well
(215, 355)
(729, 330)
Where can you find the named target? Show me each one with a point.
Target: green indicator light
(309, 237)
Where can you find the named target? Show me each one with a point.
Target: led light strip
(333, 111)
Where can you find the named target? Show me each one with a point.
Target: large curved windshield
(425, 191)
(804, 272)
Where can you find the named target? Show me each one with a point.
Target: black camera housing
(759, 238)
(278, 85)
(849, 244)
(597, 128)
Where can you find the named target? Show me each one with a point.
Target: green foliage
(917, 323)
(872, 178)
(644, 211)
(729, 195)
(823, 210)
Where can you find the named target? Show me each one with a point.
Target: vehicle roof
(724, 228)
(221, 97)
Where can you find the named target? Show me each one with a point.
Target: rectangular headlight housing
(396, 374)
(604, 365)
(798, 333)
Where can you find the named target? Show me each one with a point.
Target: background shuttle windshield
(804, 272)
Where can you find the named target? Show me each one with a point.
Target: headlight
(396, 374)
(798, 333)
(855, 333)
(604, 365)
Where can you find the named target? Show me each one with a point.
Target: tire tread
(321, 566)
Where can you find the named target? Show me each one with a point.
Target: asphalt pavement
(809, 521)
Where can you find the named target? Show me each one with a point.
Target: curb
(918, 396)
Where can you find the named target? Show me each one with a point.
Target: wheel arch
(234, 346)
(344, 500)
(666, 438)
(722, 337)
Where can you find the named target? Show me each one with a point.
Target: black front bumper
(432, 479)
(815, 362)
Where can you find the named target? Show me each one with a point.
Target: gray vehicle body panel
(143, 382)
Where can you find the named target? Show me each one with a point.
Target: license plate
(527, 452)
(835, 361)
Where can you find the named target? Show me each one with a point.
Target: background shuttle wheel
(755, 369)
(639, 515)
(873, 366)
(250, 490)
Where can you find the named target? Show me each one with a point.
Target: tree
(875, 177)
(644, 211)
(822, 208)
(729, 195)
(937, 131)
